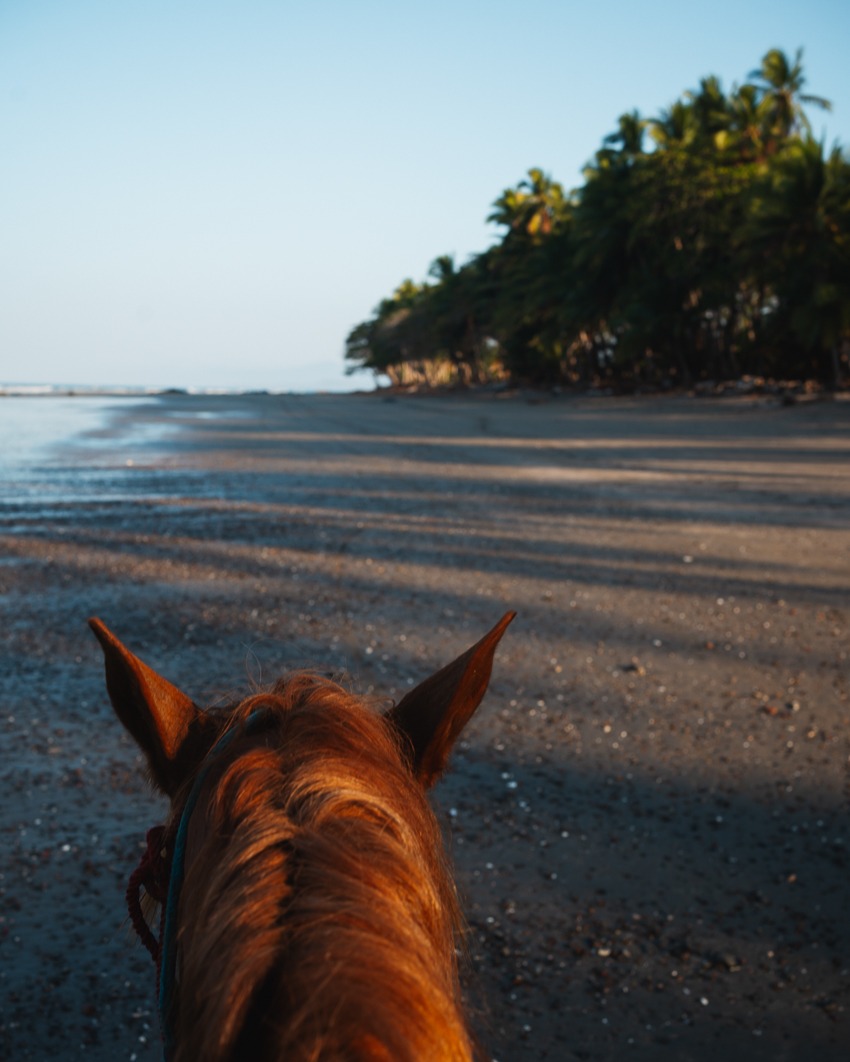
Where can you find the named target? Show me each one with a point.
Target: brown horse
(308, 909)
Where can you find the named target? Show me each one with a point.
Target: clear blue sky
(214, 193)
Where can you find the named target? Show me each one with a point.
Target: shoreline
(743, 388)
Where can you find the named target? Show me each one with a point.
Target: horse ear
(157, 714)
(433, 714)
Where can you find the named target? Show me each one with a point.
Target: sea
(45, 435)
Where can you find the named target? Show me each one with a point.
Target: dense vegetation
(710, 242)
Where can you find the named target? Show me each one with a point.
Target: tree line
(708, 243)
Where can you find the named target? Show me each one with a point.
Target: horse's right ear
(160, 718)
(431, 717)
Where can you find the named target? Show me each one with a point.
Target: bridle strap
(152, 874)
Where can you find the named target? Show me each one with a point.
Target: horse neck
(318, 918)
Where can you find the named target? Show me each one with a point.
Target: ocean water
(44, 440)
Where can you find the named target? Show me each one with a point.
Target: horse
(308, 911)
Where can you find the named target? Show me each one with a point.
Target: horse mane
(318, 918)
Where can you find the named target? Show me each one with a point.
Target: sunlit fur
(318, 919)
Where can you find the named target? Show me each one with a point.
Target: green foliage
(720, 248)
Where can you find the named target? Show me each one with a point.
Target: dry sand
(648, 815)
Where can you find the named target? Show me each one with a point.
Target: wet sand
(648, 815)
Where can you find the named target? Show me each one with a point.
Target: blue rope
(168, 954)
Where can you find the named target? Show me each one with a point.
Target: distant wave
(107, 391)
(66, 390)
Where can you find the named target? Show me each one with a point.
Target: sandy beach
(648, 816)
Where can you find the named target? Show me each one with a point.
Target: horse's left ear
(161, 718)
(433, 714)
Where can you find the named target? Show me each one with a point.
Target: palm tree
(711, 113)
(798, 232)
(629, 135)
(533, 208)
(780, 83)
(747, 122)
(392, 335)
(676, 127)
(451, 311)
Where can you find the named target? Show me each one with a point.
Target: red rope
(152, 875)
